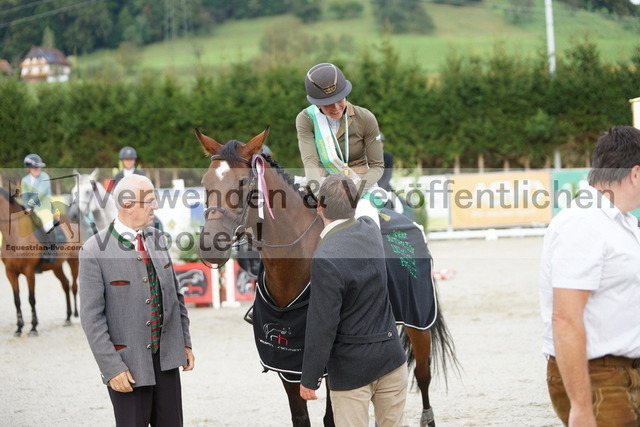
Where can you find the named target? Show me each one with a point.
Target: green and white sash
(331, 156)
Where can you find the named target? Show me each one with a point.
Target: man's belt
(609, 360)
(364, 339)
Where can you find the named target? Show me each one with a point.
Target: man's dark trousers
(159, 405)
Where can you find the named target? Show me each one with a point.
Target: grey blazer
(350, 325)
(115, 310)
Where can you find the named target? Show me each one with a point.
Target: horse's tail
(443, 349)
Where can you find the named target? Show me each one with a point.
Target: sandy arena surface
(490, 304)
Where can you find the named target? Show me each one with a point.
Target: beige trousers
(388, 395)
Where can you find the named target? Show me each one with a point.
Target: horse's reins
(240, 230)
(261, 243)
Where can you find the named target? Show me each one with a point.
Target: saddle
(409, 271)
(55, 236)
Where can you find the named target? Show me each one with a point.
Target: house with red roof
(5, 67)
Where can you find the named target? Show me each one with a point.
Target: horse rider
(335, 136)
(35, 188)
(128, 158)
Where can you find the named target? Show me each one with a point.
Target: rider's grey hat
(128, 153)
(325, 84)
(34, 161)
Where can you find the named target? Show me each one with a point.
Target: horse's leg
(31, 282)
(13, 280)
(421, 344)
(328, 413)
(59, 272)
(297, 405)
(74, 264)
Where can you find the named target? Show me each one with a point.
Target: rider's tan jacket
(365, 147)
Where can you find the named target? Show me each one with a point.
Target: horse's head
(228, 182)
(8, 205)
(83, 191)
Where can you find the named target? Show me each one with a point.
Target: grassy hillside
(475, 29)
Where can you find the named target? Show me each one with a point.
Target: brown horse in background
(287, 241)
(23, 244)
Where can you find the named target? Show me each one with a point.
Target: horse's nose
(215, 249)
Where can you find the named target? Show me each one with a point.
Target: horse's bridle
(238, 224)
(85, 209)
(240, 221)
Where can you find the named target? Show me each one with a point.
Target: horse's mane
(230, 154)
(304, 192)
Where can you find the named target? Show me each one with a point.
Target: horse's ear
(210, 145)
(94, 174)
(253, 147)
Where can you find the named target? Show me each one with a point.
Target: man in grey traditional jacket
(132, 312)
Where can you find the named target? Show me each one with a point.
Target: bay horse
(288, 235)
(23, 246)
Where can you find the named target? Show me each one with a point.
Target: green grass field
(474, 29)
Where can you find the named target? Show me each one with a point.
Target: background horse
(26, 250)
(287, 240)
(93, 208)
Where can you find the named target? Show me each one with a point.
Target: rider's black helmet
(128, 153)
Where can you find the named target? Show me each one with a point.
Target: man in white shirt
(590, 292)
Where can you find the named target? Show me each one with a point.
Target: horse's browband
(219, 157)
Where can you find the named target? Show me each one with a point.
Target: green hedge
(504, 107)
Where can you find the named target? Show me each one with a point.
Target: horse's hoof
(67, 322)
(33, 333)
(427, 419)
(17, 334)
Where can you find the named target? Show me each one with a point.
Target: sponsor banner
(181, 214)
(245, 286)
(566, 184)
(500, 199)
(195, 282)
(426, 192)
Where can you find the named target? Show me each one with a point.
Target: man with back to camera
(350, 324)
(590, 292)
